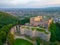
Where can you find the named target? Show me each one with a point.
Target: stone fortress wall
(29, 32)
(34, 22)
(35, 33)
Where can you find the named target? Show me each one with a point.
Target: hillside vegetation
(6, 19)
(6, 22)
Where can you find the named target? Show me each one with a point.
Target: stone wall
(43, 36)
(29, 32)
(35, 33)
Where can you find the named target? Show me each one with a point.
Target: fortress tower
(35, 20)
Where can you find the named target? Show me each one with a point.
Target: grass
(22, 42)
(25, 27)
(41, 30)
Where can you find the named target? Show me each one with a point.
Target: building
(40, 21)
(34, 21)
(56, 20)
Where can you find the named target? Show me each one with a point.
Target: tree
(58, 31)
(53, 43)
(55, 32)
(4, 31)
(10, 39)
(53, 29)
(2, 36)
(25, 20)
(38, 41)
(1, 42)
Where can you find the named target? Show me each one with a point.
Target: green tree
(38, 41)
(55, 32)
(1, 42)
(2, 36)
(10, 39)
(53, 29)
(58, 31)
(25, 20)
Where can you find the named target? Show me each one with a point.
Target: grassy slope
(22, 42)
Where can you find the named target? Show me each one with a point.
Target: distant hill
(31, 9)
(55, 9)
(6, 19)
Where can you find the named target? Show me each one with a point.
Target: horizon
(28, 7)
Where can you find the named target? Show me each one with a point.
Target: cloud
(28, 3)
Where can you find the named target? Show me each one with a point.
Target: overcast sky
(28, 3)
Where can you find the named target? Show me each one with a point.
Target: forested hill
(6, 19)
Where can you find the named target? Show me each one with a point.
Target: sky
(28, 3)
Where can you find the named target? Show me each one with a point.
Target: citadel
(38, 27)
